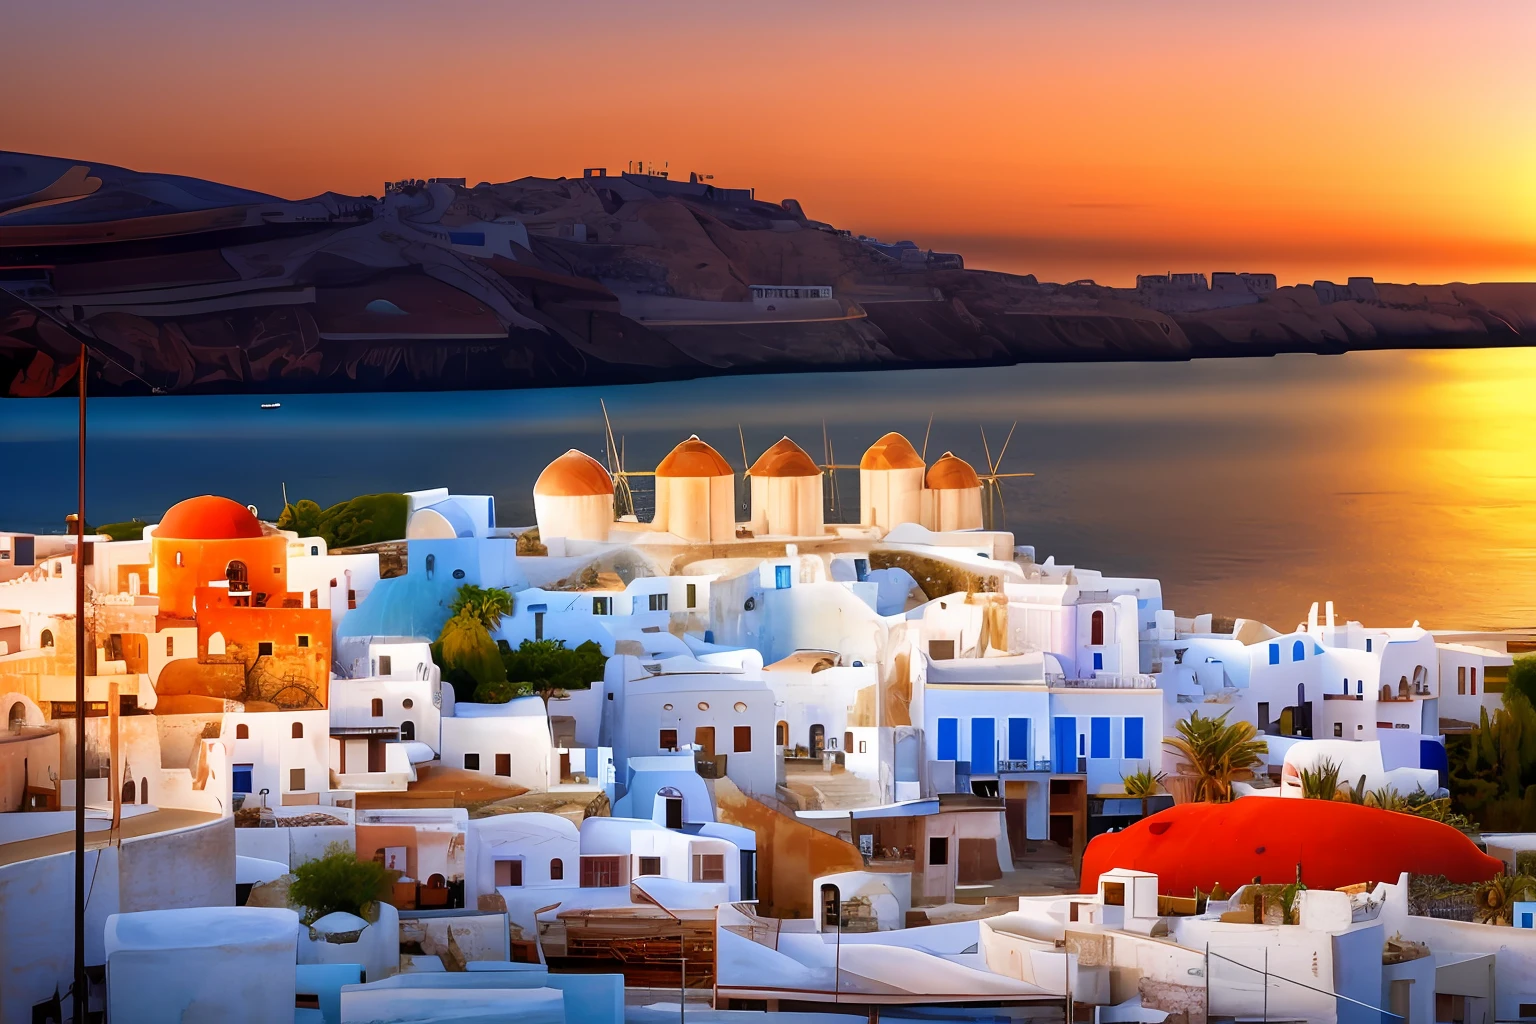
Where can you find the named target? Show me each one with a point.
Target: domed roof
(208, 517)
(952, 473)
(785, 458)
(694, 458)
(574, 474)
(1336, 843)
(891, 452)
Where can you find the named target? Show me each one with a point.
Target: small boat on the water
(271, 405)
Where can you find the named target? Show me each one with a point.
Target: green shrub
(338, 881)
(365, 519)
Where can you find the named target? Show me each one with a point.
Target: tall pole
(82, 1001)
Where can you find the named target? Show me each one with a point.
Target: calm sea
(1400, 485)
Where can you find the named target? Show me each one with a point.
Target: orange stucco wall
(203, 561)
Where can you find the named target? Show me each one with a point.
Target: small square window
(658, 602)
(668, 739)
(386, 666)
(296, 780)
(1338, 728)
(649, 866)
(938, 851)
(264, 649)
(303, 639)
(504, 765)
(742, 739)
(170, 646)
(472, 762)
(602, 606)
(693, 595)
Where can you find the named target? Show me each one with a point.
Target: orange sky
(1095, 139)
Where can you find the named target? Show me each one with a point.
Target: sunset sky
(1098, 140)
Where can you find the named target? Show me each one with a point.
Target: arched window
(242, 731)
(16, 718)
(179, 560)
(1298, 650)
(1096, 630)
(130, 792)
(237, 575)
(407, 730)
(298, 730)
(378, 707)
(314, 549)
(431, 566)
(216, 644)
(781, 734)
(46, 640)
(144, 790)
(556, 869)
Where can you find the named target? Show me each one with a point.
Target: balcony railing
(1017, 766)
(1106, 682)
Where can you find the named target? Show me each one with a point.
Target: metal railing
(1388, 1017)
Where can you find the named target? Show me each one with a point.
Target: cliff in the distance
(187, 286)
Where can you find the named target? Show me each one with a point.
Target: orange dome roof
(574, 474)
(694, 458)
(785, 458)
(208, 517)
(891, 452)
(952, 473)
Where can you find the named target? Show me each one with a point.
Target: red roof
(1337, 843)
(208, 517)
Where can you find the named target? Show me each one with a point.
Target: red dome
(1336, 843)
(208, 518)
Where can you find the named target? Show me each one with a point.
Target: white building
(509, 741)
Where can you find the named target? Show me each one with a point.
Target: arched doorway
(407, 730)
(1096, 630)
(781, 734)
(818, 740)
(144, 790)
(130, 792)
(237, 575)
(46, 640)
(831, 907)
(16, 717)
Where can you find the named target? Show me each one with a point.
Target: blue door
(949, 739)
(1064, 747)
(1018, 739)
(983, 746)
(242, 778)
(781, 579)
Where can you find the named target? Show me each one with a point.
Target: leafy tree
(365, 519)
(133, 529)
(487, 605)
(1216, 754)
(338, 881)
(1522, 678)
(468, 656)
(548, 667)
(1493, 770)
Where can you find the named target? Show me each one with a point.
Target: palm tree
(1216, 754)
(1143, 786)
(488, 605)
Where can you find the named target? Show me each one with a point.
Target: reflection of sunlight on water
(1400, 485)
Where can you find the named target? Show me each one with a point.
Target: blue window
(1018, 739)
(1298, 651)
(1132, 742)
(1098, 661)
(781, 578)
(1100, 730)
(467, 237)
(1526, 919)
(949, 739)
(861, 568)
(1064, 746)
(983, 746)
(1359, 687)
(1274, 654)
(1367, 645)
(242, 778)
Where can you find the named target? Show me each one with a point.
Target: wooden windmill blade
(1004, 451)
(987, 450)
(925, 438)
